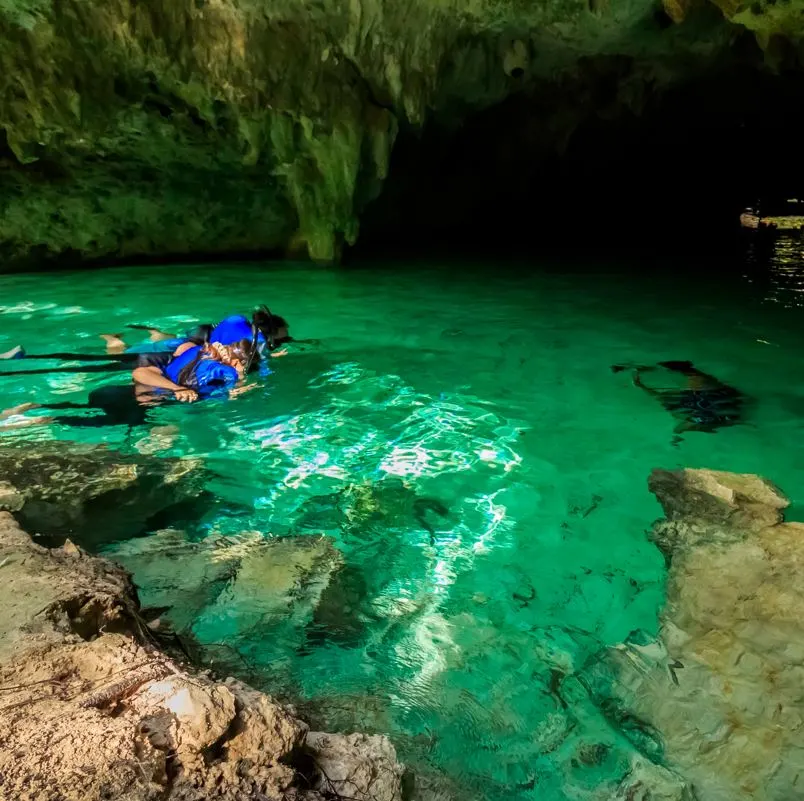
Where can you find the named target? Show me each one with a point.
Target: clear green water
(488, 390)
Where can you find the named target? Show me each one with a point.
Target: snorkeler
(272, 332)
(227, 354)
(197, 371)
(704, 403)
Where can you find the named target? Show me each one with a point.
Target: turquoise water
(460, 436)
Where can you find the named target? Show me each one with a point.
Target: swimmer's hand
(277, 353)
(185, 395)
(241, 390)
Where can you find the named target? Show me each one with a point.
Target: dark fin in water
(621, 368)
(679, 367)
(154, 334)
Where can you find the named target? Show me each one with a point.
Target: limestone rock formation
(357, 766)
(224, 590)
(719, 696)
(178, 126)
(90, 709)
(90, 492)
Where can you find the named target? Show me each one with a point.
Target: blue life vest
(234, 329)
(207, 376)
(228, 331)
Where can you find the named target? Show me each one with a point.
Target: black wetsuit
(108, 362)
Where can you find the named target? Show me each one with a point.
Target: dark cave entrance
(676, 174)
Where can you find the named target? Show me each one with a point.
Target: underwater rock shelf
(94, 704)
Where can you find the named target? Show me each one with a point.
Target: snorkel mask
(268, 325)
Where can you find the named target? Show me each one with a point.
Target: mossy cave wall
(166, 127)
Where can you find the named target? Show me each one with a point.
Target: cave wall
(163, 127)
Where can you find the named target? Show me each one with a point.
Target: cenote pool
(478, 468)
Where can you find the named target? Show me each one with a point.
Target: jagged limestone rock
(93, 710)
(11, 499)
(364, 768)
(718, 697)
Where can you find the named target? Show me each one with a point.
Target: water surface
(460, 436)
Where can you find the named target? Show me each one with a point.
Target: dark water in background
(487, 391)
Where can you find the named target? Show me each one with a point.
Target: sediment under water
(460, 436)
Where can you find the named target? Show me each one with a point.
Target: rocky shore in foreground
(92, 708)
(97, 702)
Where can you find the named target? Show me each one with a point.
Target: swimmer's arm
(153, 377)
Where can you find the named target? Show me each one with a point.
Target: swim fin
(679, 367)
(154, 334)
(619, 368)
(17, 352)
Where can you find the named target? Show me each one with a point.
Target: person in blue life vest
(226, 354)
(273, 332)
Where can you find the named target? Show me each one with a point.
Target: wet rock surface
(91, 709)
(356, 765)
(91, 494)
(718, 696)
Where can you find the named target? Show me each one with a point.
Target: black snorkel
(253, 347)
(267, 330)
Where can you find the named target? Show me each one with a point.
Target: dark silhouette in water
(705, 404)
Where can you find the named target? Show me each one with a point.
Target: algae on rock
(88, 492)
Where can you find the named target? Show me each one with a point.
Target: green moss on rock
(178, 126)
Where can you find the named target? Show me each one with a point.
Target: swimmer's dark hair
(269, 325)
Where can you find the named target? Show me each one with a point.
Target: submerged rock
(226, 591)
(712, 506)
(357, 766)
(91, 493)
(647, 781)
(90, 710)
(278, 580)
(177, 575)
(722, 687)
